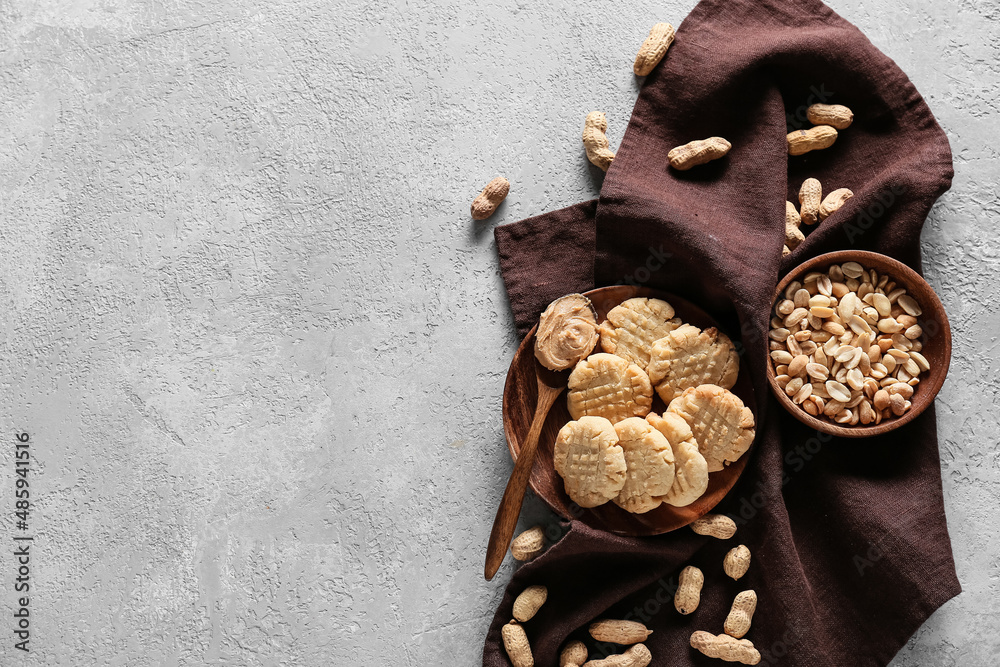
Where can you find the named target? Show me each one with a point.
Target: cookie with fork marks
(722, 426)
(605, 385)
(589, 459)
(649, 460)
(634, 325)
(688, 357)
(690, 467)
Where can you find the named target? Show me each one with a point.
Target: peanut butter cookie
(590, 461)
(649, 462)
(688, 357)
(723, 427)
(690, 467)
(605, 385)
(633, 325)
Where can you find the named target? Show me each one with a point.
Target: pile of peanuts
(827, 119)
(846, 345)
(574, 654)
(815, 208)
(681, 158)
(729, 646)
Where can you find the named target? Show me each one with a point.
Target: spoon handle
(513, 495)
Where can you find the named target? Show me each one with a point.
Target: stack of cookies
(615, 448)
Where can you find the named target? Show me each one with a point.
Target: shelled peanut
(814, 208)
(835, 115)
(661, 36)
(515, 641)
(833, 201)
(741, 615)
(815, 138)
(573, 654)
(636, 656)
(793, 223)
(528, 544)
(698, 152)
(529, 602)
(827, 119)
(846, 345)
(619, 632)
(737, 562)
(492, 196)
(718, 526)
(595, 141)
(688, 595)
(725, 647)
(810, 199)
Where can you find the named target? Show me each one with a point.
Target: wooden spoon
(550, 385)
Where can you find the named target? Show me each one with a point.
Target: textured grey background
(260, 345)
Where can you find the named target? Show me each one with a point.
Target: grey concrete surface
(259, 345)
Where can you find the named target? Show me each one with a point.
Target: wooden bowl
(936, 340)
(519, 397)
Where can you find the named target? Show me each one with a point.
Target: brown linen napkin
(850, 546)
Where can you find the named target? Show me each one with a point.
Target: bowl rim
(900, 272)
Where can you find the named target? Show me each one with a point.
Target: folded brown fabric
(850, 545)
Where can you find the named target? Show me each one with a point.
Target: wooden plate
(936, 340)
(520, 394)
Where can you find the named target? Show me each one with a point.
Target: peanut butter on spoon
(567, 332)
